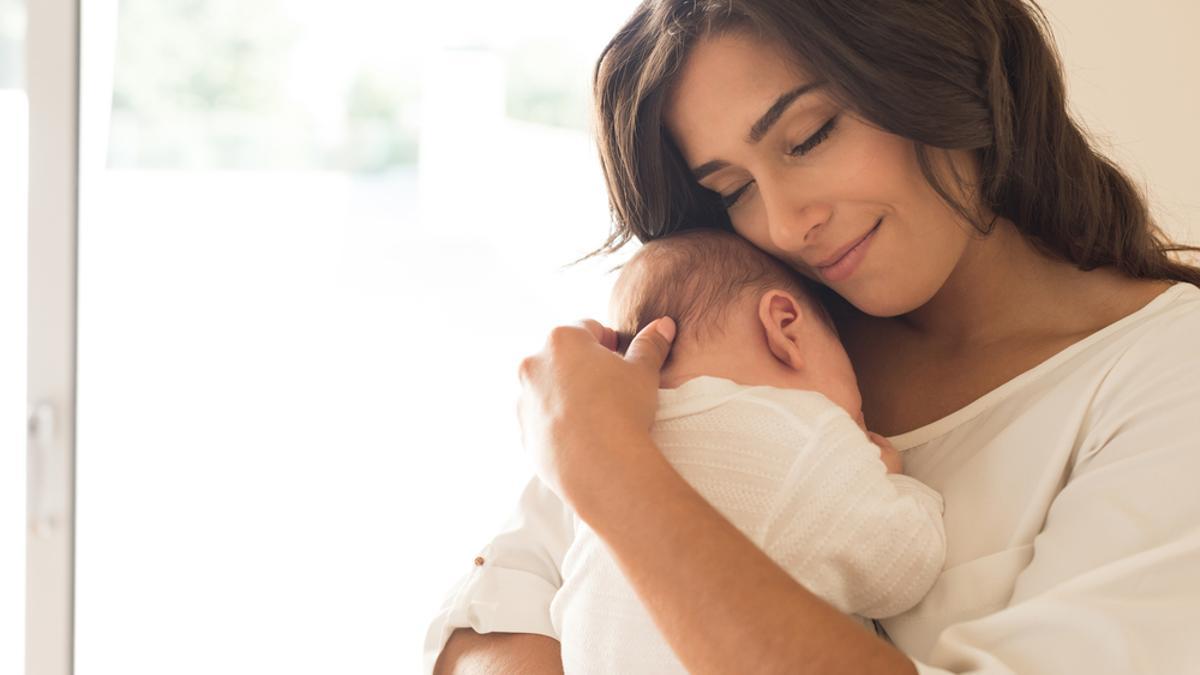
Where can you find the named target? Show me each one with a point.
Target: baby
(759, 411)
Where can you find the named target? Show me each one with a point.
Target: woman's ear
(783, 320)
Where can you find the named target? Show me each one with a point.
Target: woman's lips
(845, 265)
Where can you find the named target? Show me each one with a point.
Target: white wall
(1131, 69)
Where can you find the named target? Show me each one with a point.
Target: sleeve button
(479, 561)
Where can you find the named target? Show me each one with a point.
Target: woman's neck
(1003, 287)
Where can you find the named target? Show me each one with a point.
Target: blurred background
(315, 241)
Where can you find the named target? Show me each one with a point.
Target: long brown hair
(976, 75)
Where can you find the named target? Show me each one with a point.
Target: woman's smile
(845, 263)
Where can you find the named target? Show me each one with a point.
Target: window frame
(52, 85)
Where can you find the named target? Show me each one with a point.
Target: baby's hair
(695, 277)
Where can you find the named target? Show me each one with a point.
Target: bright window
(322, 237)
(13, 179)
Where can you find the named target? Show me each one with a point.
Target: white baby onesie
(794, 473)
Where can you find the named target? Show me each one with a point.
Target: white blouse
(1072, 518)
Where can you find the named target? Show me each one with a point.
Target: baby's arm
(888, 453)
(869, 541)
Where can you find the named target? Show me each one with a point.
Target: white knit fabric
(796, 475)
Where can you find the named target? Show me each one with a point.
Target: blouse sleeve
(509, 586)
(1114, 582)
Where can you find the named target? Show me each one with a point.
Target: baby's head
(740, 314)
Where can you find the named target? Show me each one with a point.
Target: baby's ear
(782, 319)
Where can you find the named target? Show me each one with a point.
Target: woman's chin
(882, 301)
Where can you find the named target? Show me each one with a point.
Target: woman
(1018, 325)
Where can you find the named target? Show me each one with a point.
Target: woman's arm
(470, 653)
(722, 604)
(507, 589)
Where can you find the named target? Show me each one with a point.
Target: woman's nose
(792, 223)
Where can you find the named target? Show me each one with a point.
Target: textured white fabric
(1072, 517)
(800, 479)
(1072, 510)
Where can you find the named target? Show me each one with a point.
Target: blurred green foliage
(212, 84)
(382, 113)
(240, 84)
(12, 44)
(196, 82)
(549, 84)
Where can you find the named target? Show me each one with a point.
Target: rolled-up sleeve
(513, 580)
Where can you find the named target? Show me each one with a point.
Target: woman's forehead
(727, 82)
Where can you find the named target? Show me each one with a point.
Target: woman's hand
(581, 401)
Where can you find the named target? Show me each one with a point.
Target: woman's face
(843, 202)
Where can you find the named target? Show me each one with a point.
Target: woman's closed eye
(728, 201)
(816, 139)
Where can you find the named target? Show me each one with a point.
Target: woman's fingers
(651, 346)
(576, 394)
(603, 334)
(563, 339)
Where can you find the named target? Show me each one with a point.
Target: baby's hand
(888, 453)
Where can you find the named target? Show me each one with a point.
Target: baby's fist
(888, 453)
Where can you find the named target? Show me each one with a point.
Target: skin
(941, 310)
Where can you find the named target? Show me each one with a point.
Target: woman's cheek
(894, 278)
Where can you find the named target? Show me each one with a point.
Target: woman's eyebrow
(760, 128)
(769, 118)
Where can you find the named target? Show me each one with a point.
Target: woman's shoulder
(1155, 343)
(1157, 363)
(1170, 321)
(1153, 321)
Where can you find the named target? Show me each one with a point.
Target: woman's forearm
(723, 605)
(471, 653)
